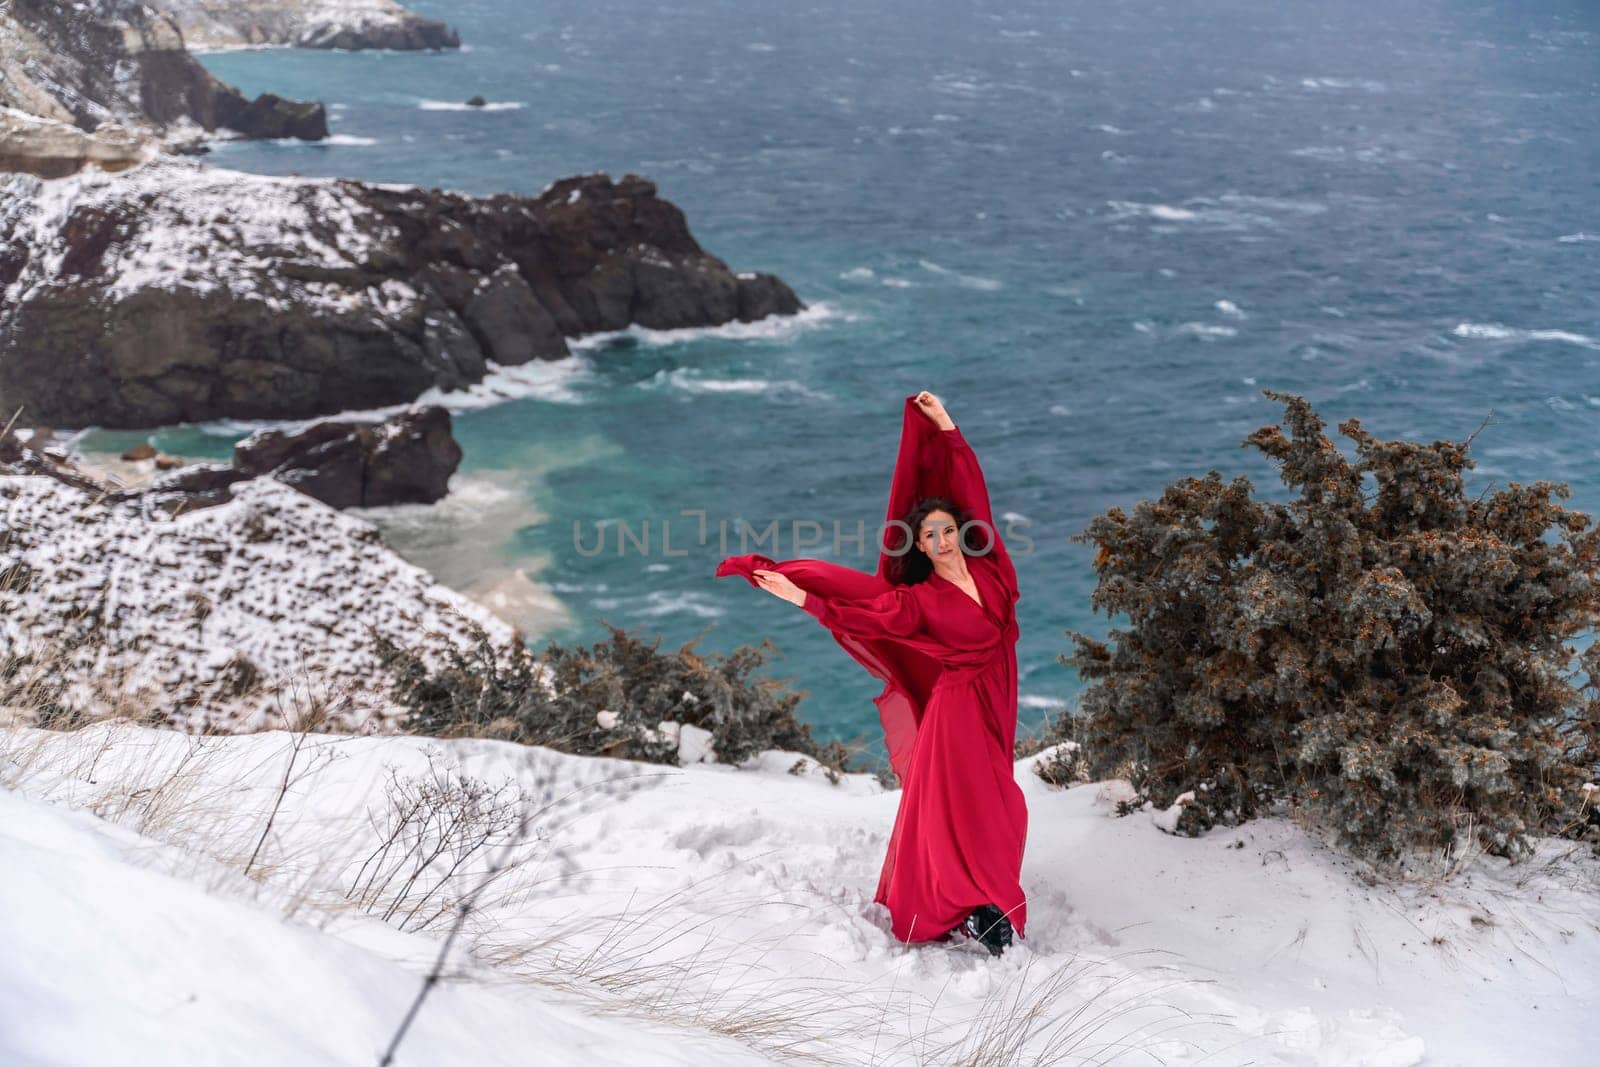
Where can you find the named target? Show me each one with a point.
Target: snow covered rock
(349, 24)
(177, 292)
(231, 617)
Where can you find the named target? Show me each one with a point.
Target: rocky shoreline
(177, 292)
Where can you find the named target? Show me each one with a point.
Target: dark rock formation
(407, 460)
(176, 292)
(271, 116)
(117, 62)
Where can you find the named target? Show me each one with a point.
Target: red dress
(949, 703)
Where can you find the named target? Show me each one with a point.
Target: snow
(111, 957)
(734, 900)
(1167, 821)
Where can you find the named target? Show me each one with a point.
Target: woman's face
(939, 536)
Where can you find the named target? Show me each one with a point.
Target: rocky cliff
(306, 24)
(175, 292)
(101, 66)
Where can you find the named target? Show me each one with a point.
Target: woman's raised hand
(934, 409)
(778, 585)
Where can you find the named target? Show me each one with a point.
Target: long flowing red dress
(949, 703)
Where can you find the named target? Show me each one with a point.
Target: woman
(937, 624)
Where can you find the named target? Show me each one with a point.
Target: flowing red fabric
(949, 702)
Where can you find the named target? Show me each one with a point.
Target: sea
(1099, 231)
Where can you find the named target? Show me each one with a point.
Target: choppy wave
(1494, 331)
(1127, 209)
(1205, 330)
(663, 602)
(1364, 84)
(348, 139)
(771, 328)
(457, 105)
(1577, 238)
(551, 380)
(970, 281)
(691, 380)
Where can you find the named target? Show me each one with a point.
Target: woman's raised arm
(967, 485)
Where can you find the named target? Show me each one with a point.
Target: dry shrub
(1396, 664)
(605, 699)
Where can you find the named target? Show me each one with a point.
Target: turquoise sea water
(1097, 230)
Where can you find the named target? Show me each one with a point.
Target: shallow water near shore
(1098, 231)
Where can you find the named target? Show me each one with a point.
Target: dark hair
(913, 565)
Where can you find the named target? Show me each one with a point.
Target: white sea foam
(1274, 203)
(1029, 700)
(1205, 330)
(455, 105)
(1494, 331)
(1577, 238)
(858, 274)
(898, 283)
(1229, 308)
(1364, 84)
(1125, 209)
(1106, 127)
(663, 602)
(970, 281)
(338, 140)
(691, 380)
(551, 380)
(771, 328)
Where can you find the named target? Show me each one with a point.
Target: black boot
(989, 925)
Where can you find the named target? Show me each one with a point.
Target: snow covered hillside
(222, 618)
(728, 907)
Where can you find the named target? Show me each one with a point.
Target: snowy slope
(738, 900)
(110, 959)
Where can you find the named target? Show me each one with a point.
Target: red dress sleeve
(893, 614)
(968, 489)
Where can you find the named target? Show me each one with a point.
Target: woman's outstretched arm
(894, 613)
